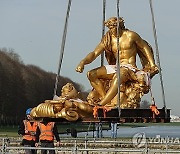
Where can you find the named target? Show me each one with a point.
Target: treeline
(23, 86)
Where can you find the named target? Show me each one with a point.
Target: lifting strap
(103, 29)
(118, 60)
(62, 47)
(153, 107)
(157, 56)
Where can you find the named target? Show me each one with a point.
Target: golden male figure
(130, 44)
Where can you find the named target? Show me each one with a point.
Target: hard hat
(28, 111)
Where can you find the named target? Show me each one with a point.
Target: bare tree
(23, 86)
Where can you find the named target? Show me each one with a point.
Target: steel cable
(157, 56)
(62, 47)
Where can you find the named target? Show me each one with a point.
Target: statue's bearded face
(112, 22)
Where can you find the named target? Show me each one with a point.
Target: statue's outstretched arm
(90, 57)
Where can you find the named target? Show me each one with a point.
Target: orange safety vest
(31, 129)
(46, 131)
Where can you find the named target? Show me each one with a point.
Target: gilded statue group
(134, 81)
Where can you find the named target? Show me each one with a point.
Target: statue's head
(112, 23)
(69, 91)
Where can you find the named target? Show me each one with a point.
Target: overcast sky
(33, 28)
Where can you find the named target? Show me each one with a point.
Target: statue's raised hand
(154, 70)
(80, 68)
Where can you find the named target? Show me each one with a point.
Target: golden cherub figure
(67, 106)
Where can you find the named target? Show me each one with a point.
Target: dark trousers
(48, 145)
(32, 151)
(29, 144)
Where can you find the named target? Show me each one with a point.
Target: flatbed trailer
(122, 116)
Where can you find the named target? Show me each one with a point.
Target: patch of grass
(9, 131)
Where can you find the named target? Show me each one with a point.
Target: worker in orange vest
(45, 133)
(28, 129)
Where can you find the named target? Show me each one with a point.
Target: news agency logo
(139, 139)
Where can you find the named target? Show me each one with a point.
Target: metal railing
(89, 146)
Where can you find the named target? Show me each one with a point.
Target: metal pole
(75, 147)
(3, 146)
(112, 130)
(101, 131)
(103, 28)
(118, 59)
(85, 145)
(115, 133)
(97, 130)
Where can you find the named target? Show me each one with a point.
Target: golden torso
(128, 48)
